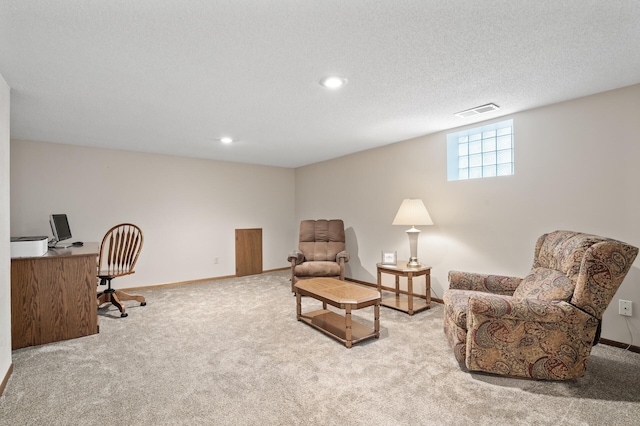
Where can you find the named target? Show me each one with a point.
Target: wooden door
(248, 251)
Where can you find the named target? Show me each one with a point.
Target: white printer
(29, 246)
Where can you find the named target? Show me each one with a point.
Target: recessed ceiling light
(333, 82)
(477, 110)
(226, 140)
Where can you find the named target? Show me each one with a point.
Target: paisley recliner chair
(541, 326)
(321, 251)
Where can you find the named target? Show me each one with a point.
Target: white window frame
(481, 152)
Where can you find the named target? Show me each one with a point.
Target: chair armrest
(343, 255)
(496, 284)
(515, 309)
(296, 257)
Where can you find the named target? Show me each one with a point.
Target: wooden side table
(405, 301)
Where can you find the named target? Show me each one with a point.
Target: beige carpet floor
(230, 352)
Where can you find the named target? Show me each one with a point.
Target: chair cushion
(321, 240)
(545, 284)
(317, 269)
(563, 251)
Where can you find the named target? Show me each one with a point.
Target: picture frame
(389, 257)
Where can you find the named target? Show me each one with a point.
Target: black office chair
(119, 253)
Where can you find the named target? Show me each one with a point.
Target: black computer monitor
(59, 228)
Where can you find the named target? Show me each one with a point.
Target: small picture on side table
(389, 257)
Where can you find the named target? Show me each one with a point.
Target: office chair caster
(143, 304)
(123, 315)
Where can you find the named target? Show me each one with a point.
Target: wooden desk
(406, 301)
(53, 297)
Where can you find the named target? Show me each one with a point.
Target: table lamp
(412, 212)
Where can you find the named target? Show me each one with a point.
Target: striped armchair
(541, 326)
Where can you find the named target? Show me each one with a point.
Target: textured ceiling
(174, 76)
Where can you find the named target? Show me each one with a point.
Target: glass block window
(481, 152)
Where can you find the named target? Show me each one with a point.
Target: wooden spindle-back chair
(119, 253)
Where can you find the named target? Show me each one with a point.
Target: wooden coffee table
(342, 295)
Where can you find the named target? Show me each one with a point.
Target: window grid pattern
(485, 153)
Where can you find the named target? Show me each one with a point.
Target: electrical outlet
(625, 307)
(216, 260)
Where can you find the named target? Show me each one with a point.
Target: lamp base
(413, 247)
(413, 262)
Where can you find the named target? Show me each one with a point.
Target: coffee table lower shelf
(334, 325)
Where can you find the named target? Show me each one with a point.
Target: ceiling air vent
(477, 110)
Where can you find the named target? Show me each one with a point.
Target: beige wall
(187, 208)
(576, 168)
(5, 265)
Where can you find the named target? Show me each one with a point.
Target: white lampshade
(412, 212)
